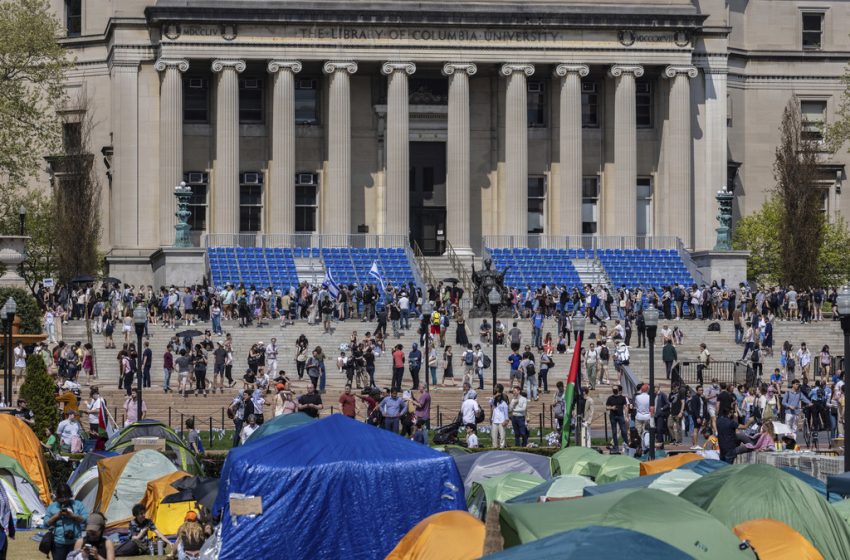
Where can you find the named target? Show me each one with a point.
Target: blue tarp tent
(334, 488)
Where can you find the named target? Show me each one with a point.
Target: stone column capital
(563, 69)
(219, 65)
(164, 63)
(336, 66)
(511, 67)
(450, 68)
(388, 68)
(673, 71)
(276, 66)
(619, 69)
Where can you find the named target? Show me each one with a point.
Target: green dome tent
(573, 460)
(616, 468)
(743, 492)
(651, 512)
(672, 482)
(498, 488)
(183, 458)
(559, 487)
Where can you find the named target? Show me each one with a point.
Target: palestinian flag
(570, 391)
(105, 427)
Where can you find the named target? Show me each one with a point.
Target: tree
(28, 311)
(41, 248)
(37, 390)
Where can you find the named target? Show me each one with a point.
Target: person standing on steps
(669, 356)
(414, 363)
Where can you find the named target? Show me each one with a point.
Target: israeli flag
(376, 274)
(331, 285)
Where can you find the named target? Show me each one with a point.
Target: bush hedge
(38, 391)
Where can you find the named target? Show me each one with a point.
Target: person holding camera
(65, 517)
(93, 545)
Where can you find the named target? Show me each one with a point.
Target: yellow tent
(166, 517)
(123, 480)
(774, 540)
(448, 535)
(668, 463)
(18, 441)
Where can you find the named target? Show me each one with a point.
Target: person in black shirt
(615, 405)
(725, 400)
(310, 403)
(728, 437)
(698, 409)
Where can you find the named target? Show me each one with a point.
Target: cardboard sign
(246, 505)
(155, 443)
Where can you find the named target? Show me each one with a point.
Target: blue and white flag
(376, 274)
(331, 285)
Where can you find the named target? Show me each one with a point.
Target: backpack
(486, 360)
(714, 327)
(479, 415)
(604, 354)
(467, 358)
(529, 370)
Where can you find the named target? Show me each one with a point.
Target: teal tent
(280, 424)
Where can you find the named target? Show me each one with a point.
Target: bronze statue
(484, 281)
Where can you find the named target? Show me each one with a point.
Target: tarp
(651, 512)
(334, 488)
(478, 466)
(166, 517)
(743, 492)
(774, 540)
(559, 487)
(572, 460)
(672, 482)
(448, 535)
(593, 542)
(123, 480)
(280, 424)
(122, 442)
(668, 463)
(18, 441)
(498, 488)
(617, 467)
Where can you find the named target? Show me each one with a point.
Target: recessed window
(813, 117)
(306, 102)
(644, 205)
(536, 203)
(72, 137)
(196, 100)
(250, 101)
(590, 205)
(73, 17)
(812, 30)
(306, 202)
(589, 105)
(643, 104)
(536, 102)
(198, 182)
(250, 202)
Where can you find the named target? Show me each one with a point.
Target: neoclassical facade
(443, 122)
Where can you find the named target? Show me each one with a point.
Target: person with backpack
(529, 373)
(478, 365)
(468, 359)
(546, 363)
(669, 356)
(414, 364)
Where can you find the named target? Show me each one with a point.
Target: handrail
(587, 242)
(457, 266)
(422, 263)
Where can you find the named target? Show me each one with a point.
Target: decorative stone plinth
(178, 266)
(722, 265)
(12, 254)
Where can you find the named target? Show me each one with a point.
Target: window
(536, 203)
(250, 202)
(644, 206)
(74, 17)
(428, 91)
(72, 137)
(196, 100)
(589, 105)
(306, 102)
(728, 110)
(306, 202)
(813, 115)
(536, 102)
(250, 100)
(198, 182)
(812, 30)
(643, 104)
(590, 205)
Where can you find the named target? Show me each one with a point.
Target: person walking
(414, 364)
(498, 417)
(518, 408)
(615, 405)
(669, 356)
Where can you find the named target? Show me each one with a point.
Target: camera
(69, 536)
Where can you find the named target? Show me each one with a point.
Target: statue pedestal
(722, 265)
(12, 254)
(178, 266)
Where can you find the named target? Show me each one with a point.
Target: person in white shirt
(591, 359)
(498, 418)
(93, 407)
(471, 438)
(642, 415)
(271, 358)
(69, 429)
(404, 307)
(469, 408)
(50, 326)
(20, 364)
(248, 429)
(804, 358)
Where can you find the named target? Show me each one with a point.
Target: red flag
(570, 391)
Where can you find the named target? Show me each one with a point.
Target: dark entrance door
(428, 196)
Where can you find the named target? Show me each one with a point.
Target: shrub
(38, 390)
(28, 310)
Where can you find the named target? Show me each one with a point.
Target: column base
(178, 266)
(722, 265)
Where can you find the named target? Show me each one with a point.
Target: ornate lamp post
(494, 298)
(22, 215)
(578, 328)
(650, 318)
(140, 317)
(183, 192)
(724, 217)
(843, 305)
(427, 309)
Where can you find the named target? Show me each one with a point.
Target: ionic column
(569, 151)
(336, 203)
(516, 149)
(124, 207)
(624, 196)
(280, 197)
(398, 150)
(170, 142)
(225, 191)
(677, 195)
(457, 155)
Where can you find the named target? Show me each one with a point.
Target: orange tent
(167, 517)
(668, 463)
(123, 481)
(774, 540)
(448, 535)
(18, 441)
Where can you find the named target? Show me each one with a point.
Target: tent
(651, 512)
(279, 424)
(617, 467)
(743, 492)
(84, 480)
(774, 540)
(123, 480)
(166, 517)
(453, 450)
(594, 541)
(19, 490)
(705, 466)
(672, 482)
(668, 463)
(18, 441)
(184, 459)
(817, 485)
(478, 466)
(559, 487)
(88, 462)
(319, 485)
(448, 535)
(843, 509)
(498, 488)
(572, 460)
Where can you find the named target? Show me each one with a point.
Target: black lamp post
(843, 304)
(427, 309)
(495, 300)
(22, 214)
(578, 328)
(140, 317)
(650, 319)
